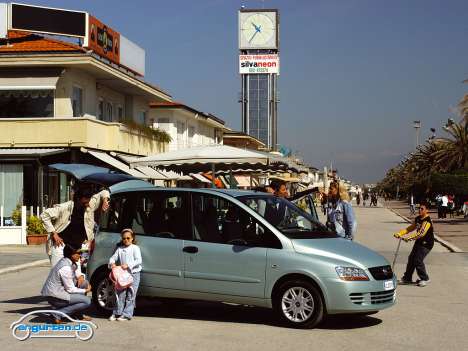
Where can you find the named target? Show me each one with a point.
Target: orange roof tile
(27, 42)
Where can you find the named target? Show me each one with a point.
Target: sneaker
(423, 283)
(113, 318)
(404, 281)
(123, 319)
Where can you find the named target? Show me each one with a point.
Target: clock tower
(259, 70)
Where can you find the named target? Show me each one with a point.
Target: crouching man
(64, 290)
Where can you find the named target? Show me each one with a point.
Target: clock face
(257, 30)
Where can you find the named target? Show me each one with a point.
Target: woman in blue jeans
(340, 213)
(128, 255)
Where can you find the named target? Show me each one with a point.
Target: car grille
(373, 298)
(381, 273)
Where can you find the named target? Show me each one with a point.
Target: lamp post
(417, 127)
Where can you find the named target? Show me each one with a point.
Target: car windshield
(287, 217)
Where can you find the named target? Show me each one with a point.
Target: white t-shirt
(444, 201)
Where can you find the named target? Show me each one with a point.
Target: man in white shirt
(444, 206)
(61, 288)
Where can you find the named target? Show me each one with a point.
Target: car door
(161, 221)
(226, 255)
(306, 203)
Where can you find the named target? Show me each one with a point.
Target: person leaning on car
(72, 222)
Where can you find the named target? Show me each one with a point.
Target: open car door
(305, 201)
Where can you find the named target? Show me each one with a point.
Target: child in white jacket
(128, 255)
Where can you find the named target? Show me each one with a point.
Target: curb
(23, 266)
(444, 243)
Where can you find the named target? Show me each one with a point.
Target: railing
(13, 234)
(76, 132)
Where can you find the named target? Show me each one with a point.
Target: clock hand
(256, 28)
(253, 36)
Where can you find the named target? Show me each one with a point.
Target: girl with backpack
(126, 275)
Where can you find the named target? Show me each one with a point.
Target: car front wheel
(298, 304)
(104, 296)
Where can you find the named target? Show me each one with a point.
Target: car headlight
(351, 273)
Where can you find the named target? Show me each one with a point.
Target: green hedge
(456, 184)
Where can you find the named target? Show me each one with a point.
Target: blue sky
(354, 73)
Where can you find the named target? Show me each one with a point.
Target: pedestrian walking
(340, 213)
(424, 242)
(444, 205)
(128, 256)
(72, 222)
(411, 205)
(63, 289)
(365, 198)
(358, 198)
(374, 199)
(465, 209)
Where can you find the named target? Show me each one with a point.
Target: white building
(187, 126)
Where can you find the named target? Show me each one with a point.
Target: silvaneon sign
(258, 64)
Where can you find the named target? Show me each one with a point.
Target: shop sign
(48, 20)
(103, 40)
(251, 64)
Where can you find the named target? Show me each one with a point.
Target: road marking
(24, 266)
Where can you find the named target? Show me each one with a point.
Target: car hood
(341, 250)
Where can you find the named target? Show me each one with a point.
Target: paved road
(454, 230)
(13, 255)
(430, 318)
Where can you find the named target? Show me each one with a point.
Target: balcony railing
(76, 132)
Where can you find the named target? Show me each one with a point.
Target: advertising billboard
(252, 64)
(132, 56)
(103, 40)
(47, 20)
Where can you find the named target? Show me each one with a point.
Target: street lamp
(417, 127)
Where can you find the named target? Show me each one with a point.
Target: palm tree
(463, 107)
(453, 153)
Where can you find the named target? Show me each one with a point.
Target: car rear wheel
(298, 304)
(104, 296)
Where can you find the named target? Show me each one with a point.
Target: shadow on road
(203, 311)
(342, 322)
(32, 300)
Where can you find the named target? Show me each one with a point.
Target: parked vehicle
(241, 247)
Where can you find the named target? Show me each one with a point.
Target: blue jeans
(77, 303)
(126, 298)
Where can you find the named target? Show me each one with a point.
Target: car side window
(221, 221)
(162, 214)
(118, 215)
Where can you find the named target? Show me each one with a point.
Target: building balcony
(86, 132)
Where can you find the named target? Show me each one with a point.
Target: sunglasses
(127, 238)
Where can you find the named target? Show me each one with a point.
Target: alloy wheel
(297, 304)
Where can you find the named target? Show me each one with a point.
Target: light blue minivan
(241, 247)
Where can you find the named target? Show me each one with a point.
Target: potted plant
(36, 234)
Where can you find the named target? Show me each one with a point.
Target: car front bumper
(358, 296)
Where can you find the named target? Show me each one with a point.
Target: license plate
(388, 285)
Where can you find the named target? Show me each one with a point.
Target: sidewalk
(12, 256)
(453, 230)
